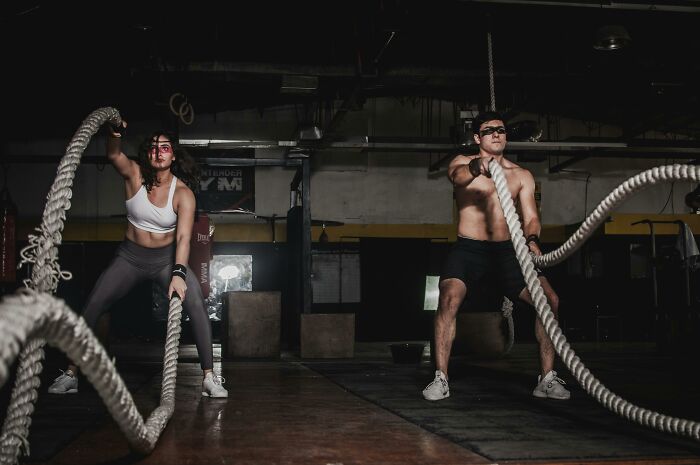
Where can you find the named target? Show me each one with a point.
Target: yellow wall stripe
(241, 232)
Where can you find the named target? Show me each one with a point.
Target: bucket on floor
(407, 352)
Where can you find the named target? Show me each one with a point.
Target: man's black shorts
(471, 261)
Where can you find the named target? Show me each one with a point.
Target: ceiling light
(229, 272)
(611, 37)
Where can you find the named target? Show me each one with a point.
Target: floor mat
(493, 413)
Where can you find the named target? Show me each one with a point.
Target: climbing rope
(492, 87)
(32, 317)
(590, 384)
(507, 305)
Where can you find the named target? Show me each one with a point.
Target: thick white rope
(42, 250)
(590, 384)
(29, 315)
(636, 183)
(42, 253)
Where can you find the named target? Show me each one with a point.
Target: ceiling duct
(299, 84)
(310, 133)
(524, 131)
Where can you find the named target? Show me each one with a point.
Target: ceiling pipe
(365, 143)
(339, 71)
(678, 7)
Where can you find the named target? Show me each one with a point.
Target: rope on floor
(32, 317)
(591, 385)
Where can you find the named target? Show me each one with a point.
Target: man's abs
(483, 221)
(480, 212)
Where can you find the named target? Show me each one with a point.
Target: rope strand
(590, 383)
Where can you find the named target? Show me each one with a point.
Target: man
(484, 250)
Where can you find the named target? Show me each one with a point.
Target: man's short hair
(483, 117)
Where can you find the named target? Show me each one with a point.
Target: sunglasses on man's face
(488, 130)
(160, 148)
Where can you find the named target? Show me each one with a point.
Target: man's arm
(127, 168)
(463, 170)
(528, 207)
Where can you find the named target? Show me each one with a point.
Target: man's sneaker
(551, 387)
(212, 386)
(438, 389)
(67, 383)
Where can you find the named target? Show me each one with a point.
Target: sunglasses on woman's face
(488, 130)
(160, 149)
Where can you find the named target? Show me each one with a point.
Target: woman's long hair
(184, 167)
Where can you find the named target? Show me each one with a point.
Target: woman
(160, 209)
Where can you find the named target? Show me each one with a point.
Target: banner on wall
(200, 251)
(225, 187)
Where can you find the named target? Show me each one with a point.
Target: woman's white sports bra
(144, 215)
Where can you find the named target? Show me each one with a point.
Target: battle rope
(642, 180)
(591, 385)
(42, 253)
(30, 314)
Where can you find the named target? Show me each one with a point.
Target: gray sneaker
(212, 386)
(438, 389)
(67, 383)
(551, 387)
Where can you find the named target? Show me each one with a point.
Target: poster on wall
(225, 187)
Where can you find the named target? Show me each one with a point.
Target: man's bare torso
(480, 213)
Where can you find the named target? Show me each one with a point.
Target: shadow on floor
(491, 410)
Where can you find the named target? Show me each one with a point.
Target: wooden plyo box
(251, 324)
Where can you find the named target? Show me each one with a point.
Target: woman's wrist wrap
(180, 270)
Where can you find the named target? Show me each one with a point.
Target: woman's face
(160, 154)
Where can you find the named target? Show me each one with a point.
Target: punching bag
(200, 251)
(8, 217)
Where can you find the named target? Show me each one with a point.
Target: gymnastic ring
(172, 102)
(186, 109)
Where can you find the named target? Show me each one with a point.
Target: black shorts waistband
(483, 244)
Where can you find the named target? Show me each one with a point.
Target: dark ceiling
(65, 59)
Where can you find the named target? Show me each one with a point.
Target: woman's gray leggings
(134, 264)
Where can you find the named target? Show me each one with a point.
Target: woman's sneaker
(438, 389)
(212, 386)
(67, 383)
(551, 387)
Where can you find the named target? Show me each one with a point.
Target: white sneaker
(438, 389)
(212, 386)
(67, 383)
(551, 387)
